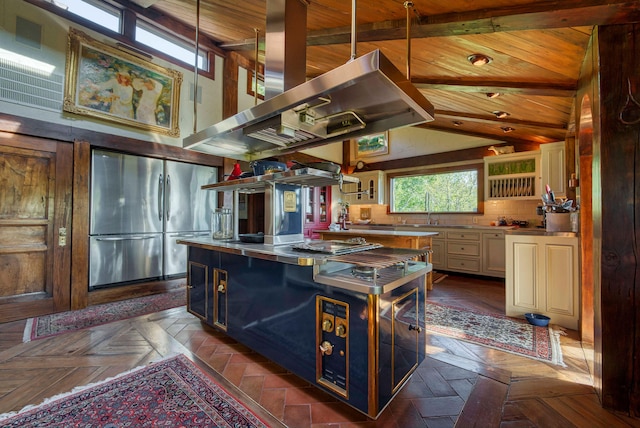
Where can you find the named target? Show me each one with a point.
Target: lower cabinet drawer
(464, 248)
(462, 264)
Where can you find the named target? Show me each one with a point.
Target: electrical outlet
(475, 220)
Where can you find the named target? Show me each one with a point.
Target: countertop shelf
(308, 177)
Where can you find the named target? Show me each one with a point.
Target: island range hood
(367, 95)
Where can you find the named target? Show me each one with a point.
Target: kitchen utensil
(252, 238)
(324, 166)
(567, 204)
(262, 167)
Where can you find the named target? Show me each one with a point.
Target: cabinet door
(197, 289)
(371, 182)
(439, 256)
(560, 277)
(554, 168)
(317, 210)
(493, 254)
(522, 284)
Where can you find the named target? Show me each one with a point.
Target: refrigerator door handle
(160, 184)
(168, 196)
(124, 238)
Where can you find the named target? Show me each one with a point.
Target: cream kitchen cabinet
(493, 254)
(477, 251)
(554, 169)
(438, 258)
(463, 250)
(542, 276)
(370, 181)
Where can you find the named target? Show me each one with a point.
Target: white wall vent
(25, 85)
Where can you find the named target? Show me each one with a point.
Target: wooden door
(35, 226)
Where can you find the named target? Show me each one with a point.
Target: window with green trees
(436, 192)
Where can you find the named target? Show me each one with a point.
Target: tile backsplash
(516, 210)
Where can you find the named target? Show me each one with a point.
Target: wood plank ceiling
(537, 48)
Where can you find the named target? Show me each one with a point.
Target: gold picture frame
(372, 145)
(106, 83)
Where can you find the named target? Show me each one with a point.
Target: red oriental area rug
(169, 393)
(496, 331)
(63, 322)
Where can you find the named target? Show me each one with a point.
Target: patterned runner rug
(63, 322)
(496, 331)
(169, 393)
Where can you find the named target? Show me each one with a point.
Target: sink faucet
(427, 205)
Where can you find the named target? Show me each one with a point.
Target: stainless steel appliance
(284, 222)
(140, 206)
(364, 96)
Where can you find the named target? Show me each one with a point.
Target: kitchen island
(349, 322)
(390, 238)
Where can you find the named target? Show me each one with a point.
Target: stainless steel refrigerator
(140, 206)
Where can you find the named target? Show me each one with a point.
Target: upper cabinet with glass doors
(317, 213)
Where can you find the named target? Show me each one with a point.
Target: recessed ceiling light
(479, 59)
(493, 94)
(507, 129)
(501, 114)
(457, 123)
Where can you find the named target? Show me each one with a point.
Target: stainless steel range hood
(365, 96)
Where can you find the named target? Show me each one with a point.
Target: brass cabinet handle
(416, 328)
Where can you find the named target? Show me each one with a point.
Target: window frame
(157, 31)
(250, 74)
(129, 16)
(477, 166)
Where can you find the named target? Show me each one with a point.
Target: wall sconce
(501, 114)
(507, 129)
(479, 59)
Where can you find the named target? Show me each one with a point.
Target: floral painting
(107, 83)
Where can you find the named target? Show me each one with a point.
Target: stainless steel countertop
(279, 253)
(539, 232)
(325, 271)
(403, 226)
(391, 232)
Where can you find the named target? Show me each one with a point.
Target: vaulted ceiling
(536, 50)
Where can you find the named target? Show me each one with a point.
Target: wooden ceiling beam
(508, 138)
(533, 16)
(493, 120)
(549, 89)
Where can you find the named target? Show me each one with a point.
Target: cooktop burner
(366, 273)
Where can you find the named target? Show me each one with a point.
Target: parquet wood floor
(459, 384)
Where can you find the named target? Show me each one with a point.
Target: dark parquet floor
(459, 384)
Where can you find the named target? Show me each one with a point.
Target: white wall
(411, 141)
(53, 53)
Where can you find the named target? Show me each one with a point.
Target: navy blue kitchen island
(352, 324)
